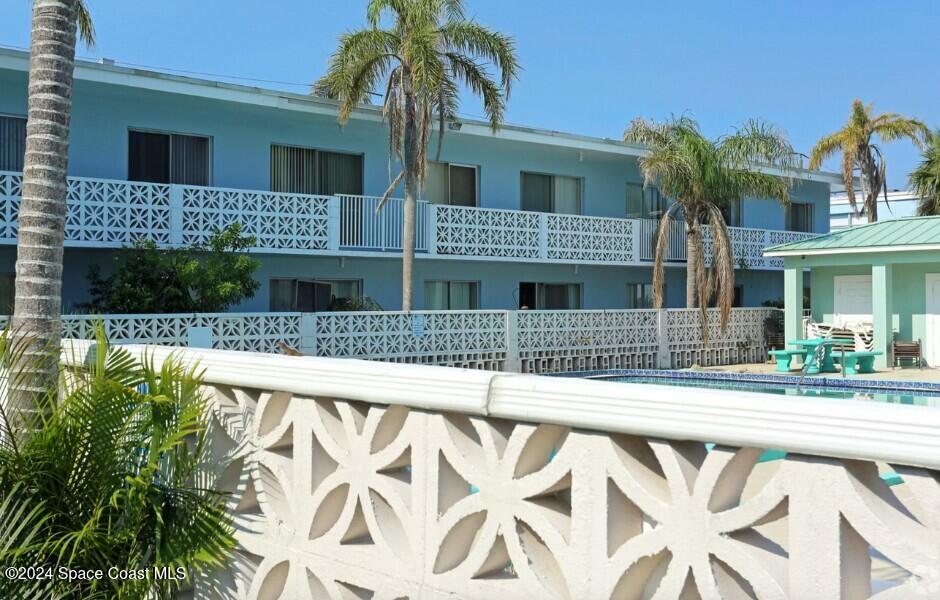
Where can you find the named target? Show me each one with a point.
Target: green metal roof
(911, 233)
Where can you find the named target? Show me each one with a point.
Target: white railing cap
(818, 426)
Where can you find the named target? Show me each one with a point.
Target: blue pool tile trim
(813, 381)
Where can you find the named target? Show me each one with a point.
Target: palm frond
(925, 178)
(86, 28)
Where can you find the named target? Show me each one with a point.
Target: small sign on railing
(417, 326)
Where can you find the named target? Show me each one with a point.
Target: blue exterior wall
(241, 138)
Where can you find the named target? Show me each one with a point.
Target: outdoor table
(827, 365)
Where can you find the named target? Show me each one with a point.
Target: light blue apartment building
(523, 218)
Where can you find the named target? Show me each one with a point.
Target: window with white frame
(639, 295)
(158, 157)
(449, 183)
(311, 295)
(551, 193)
(12, 142)
(451, 295)
(297, 170)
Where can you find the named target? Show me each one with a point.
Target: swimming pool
(891, 392)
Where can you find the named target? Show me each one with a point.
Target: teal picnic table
(826, 365)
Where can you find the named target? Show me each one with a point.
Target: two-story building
(519, 218)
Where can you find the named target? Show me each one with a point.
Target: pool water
(787, 388)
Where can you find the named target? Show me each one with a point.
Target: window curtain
(436, 184)
(635, 201)
(567, 195)
(462, 295)
(189, 160)
(344, 288)
(283, 292)
(340, 173)
(12, 143)
(536, 192)
(293, 170)
(148, 157)
(463, 186)
(800, 217)
(435, 295)
(561, 296)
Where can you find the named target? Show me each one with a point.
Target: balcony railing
(353, 479)
(109, 213)
(531, 341)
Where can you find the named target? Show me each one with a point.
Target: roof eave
(164, 82)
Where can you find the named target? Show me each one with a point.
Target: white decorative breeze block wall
(277, 221)
(743, 340)
(587, 340)
(354, 480)
(111, 214)
(249, 332)
(589, 239)
(470, 339)
(516, 341)
(463, 231)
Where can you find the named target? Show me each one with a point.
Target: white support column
(543, 235)
(793, 302)
(176, 215)
(662, 327)
(511, 327)
(432, 229)
(308, 334)
(333, 222)
(882, 300)
(636, 234)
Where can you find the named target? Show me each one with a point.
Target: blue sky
(590, 65)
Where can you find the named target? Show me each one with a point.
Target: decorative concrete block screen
(517, 341)
(594, 239)
(277, 221)
(470, 339)
(587, 340)
(100, 213)
(251, 332)
(352, 479)
(463, 231)
(743, 340)
(105, 213)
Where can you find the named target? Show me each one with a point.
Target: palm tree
(925, 179)
(704, 176)
(421, 61)
(854, 141)
(116, 471)
(38, 295)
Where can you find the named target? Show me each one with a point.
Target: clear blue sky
(590, 65)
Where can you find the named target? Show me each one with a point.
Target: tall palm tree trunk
(691, 265)
(38, 304)
(410, 207)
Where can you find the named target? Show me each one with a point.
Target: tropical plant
(38, 288)
(925, 179)
(207, 277)
(110, 474)
(704, 176)
(421, 61)
(855, 142)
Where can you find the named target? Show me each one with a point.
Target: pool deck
(898, 374)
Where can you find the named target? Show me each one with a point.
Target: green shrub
(113, 473)
(202, 278)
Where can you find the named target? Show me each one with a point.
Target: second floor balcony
(111, 213)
